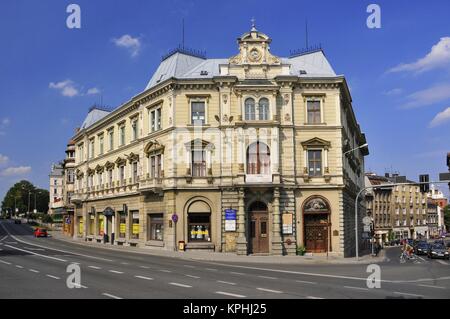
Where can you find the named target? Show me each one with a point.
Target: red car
(40, 232)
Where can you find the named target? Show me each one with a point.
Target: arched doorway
(199, 222)
(258, 228)
(316, 221)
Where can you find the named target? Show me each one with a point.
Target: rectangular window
(158, 119)
(110, 177)
(198, 113)
(135, 172)
(122, 225)
(101, 225)
(122, 174)
(155, 120)
(156, 222)
(199, 226)
(198, 163)
(81, 152)
(100, 179)
(91, 148)
(313, 108)
(315, 163)
(111, 139)
(91, 224)
(122, 135)
(100, 144)
(134, 129)
(135, 225)
(155, 166)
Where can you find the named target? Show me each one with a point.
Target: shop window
(91, 224)
(135, 225)
(199, 226)
(156, 223)
(122, 225)
(101, 224)
(80, 225)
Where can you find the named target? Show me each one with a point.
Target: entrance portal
(258, 228)
(316, 218)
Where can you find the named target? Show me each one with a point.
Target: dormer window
(203, 72)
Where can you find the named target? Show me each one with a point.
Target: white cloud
(133, 45)
(67, 88)
(14, 171)
(392, 92)
(93, 91)
(3, 159)
(435, 94)
(441, 118)
(438, 57)
(5, 121)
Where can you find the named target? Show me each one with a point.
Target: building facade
(436, 197)
(243, 155)
(69, 189)
(56, 190)
(433, 220)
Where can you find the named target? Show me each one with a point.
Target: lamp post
(28, 213)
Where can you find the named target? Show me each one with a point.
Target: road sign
(365, 235)
(367, 220)
(174, 218)
(366, 228)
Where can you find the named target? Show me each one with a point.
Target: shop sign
(288, 227)
(122, 228)
(80, 226)
(135, 229)
(230, 220)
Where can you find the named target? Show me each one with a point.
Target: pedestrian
(377, 248)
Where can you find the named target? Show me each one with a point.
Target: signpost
(175, 220)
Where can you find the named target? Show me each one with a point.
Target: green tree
(22, 193)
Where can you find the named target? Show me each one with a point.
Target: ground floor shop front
(244, 220)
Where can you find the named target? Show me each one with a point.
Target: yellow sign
(135, 229)
(80, 226)
(122, 228)
(101, 225)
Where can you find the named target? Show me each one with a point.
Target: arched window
(264, 109)
(199, 222)
(258, 159)
(249, 109)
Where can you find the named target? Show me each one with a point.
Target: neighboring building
(433, 218)
(256, 138)
(380, 206)
(56, 191)
(69, 184)
(436, 197)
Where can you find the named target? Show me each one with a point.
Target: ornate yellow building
(240, 155)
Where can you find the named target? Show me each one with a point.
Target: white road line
(34, 270)
(211, 269)
(270, 290)
(179, 285)
(192, 276)
(165, 270)
(5, 262)
(226, 282)
(406, 294)
(10, 242)
(124, 263)
(19, 266)
(420, 258)
(94, 267)
(430, 286)
(442, 262)
(312, 297)
(1, 249)
(111, 296)
(236, 273)
(189, 266)
(142, 277)
(145, 267)
(358, 288)
(3, 238)
(79, 286)
(35, 249)
(306, 282)
(36, 254)
(54, 277)
(229, 294)
(267, 277)
(116, 272)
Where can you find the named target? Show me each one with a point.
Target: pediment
(316, 142)
(153, 147)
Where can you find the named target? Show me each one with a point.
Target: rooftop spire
(253, 25)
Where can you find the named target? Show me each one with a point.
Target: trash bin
(181, 245)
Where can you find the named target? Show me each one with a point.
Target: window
(315, 163)
(100, 179)
(100, 144)
(198, 113)
(122, 225)
(110, 177)
(134, 129)
(81, 152)
(90, 181)
(313, 108)
(250, 109)
(135, 225)
(111, 139)
(155, 120)
(198, 162)
(70, 176)
(155, 166)
(156, 227)
(101, 225)
(122, 174)
(258, 159)
(135, 172)
(122, 135)
(199, 227)
(91, 149)
(264, 109)
(91, 224)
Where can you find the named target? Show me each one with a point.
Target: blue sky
(50, 75)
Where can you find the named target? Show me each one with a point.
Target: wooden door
(316, 233)
(259, 232)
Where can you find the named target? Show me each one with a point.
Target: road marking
(36, 254)
(267, 277)
(19, 266)
(3, 238)
(226, 282)
(145, 267)
(165, 270)
(229, 294)
(54, 277)
(306, 282)
(36, 249)
(94, 267)
(192, 276)
(312, 297)
(406, 294)
(430, 286)
(358, 288)
(1, 249)
(179, 285)
(111, 296)
(270, 290)
(420, 258)
(79, 286)
(189, 266)
(142, 277)
(10, 242)
(33, 270)
(5, 262)
(236, 273)
(442, 262)
(116, 272)
(211, 269)
(124, 263)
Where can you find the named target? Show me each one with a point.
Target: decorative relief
(316, 204)
(287, 117)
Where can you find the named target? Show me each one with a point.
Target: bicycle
(405, 256)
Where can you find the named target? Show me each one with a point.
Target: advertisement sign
(80, 226)
(101, 225)
(122, 228)
(230, 220)
(288, 224)
(135, 229)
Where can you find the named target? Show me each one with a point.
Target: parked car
(421, 248)
(438, 251)
(17, 221)
(40, 232)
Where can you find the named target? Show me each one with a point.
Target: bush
(301, 250)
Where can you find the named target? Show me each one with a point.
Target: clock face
(255, 55)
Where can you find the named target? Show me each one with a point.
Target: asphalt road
(37, 268)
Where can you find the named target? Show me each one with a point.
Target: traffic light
(424, 188)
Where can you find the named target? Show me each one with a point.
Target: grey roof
(93, 116)
(184, 66)
(57, 170)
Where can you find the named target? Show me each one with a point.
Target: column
(277, 243)
(241, 240)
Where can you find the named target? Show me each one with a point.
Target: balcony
(258, 178)
(150, 184)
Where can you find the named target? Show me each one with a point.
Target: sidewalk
(229, 257)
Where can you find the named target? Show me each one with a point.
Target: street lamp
(361, 146)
